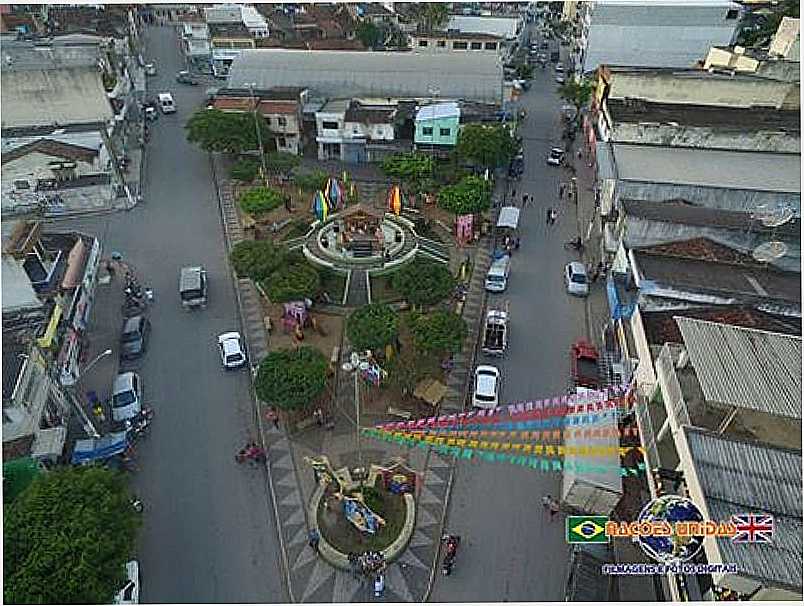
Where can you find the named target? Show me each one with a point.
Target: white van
(497, 276)
(166, 103)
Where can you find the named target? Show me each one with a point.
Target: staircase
(358, 288)
(437, 251)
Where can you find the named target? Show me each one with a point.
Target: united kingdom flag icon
(753, 528)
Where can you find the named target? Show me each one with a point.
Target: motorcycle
(137, 505)
(576, 244)
(379, 585)
(252, 453)
(452, 542)
(137, 428)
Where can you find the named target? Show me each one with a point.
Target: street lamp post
(251, 86)
(94, 361)
(72, 390)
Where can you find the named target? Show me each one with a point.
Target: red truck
(584, 364)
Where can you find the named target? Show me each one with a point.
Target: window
(427, 131)
(459, 46)
(441, 43)
(326, 124)
(21, 184)
(422, 42)
(491, 46)
(477, 45)
(444, 132)
(280, 121)
(281, 142)
(732, 14)
(268, 120)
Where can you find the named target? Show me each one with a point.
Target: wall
(377, 132)
(34, 166)
(437, 138)
(321, 117)
(33, 389)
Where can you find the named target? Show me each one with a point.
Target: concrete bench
(398, 412)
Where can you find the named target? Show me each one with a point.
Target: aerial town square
(401, 302)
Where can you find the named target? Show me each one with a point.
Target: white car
(487, 387)
(576, 279)
(556, 156)
(560, 79)
(130, 593)
(231, 349)
(559, 68)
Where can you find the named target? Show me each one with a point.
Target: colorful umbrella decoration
(395, 200)
(545, 435)
(321, 208)
(334, 194)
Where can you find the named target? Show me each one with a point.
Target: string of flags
(521, 433)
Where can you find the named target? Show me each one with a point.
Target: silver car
(126, 396)
(576, 280)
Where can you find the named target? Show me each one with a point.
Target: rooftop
(228, 30)
(724, 356)
(736, 477)
(711, 116)
(661, 326)
(50, 147)
(712, 270)
(366, 114)
(504, 27)
(438, 110)
(379, 74)
(711, 168)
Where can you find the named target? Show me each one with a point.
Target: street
(209, 532)
(510, 550)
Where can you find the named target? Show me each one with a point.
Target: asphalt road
(510, 550)
(209, 533)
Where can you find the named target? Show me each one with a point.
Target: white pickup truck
(495, 335)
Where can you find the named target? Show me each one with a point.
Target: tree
(293, 282)
(256, 259)
(245, 169)
(230, 132)
(524, 71)
(487, 145)
(430, 16)
(438, 332)
(292, 378)
(261, 200)
(423, 283)
(281, 162)
(68, 537)
(369, 34)
(765, 27)
(372, 326)
(577, 93)
(414, 168)
(471, 195)
(311, 182)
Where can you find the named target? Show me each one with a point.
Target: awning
(86, 451)
(509, 217)
(46, 339)
(75, 266)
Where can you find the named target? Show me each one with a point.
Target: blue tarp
(86, 451)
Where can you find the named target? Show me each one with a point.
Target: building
(661, 34)
(458, 42)
(357, 130)
(786, 43)
(508, 28)
(281, 109)
(196, 46)
(400, 75)
(61, 114)
(729, 436)
(227, 40)
(255, 23)
(437, 126)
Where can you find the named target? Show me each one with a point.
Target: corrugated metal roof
(439, 110)
(746, 368)
(710, 168)
(739, 477)
(475, 77)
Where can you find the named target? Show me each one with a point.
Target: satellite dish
(769, 251)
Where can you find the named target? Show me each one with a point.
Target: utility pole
(250, 86)
(356, 374)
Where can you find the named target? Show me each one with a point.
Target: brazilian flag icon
(587, 529)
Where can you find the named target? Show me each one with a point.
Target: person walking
(272, 417)
(549, 215)
(313, 539)
(524, 200)
(561, 189)
(546, 500)
(553, 216)
(554, 508)
(513, 194)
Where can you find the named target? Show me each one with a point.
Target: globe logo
(671, 549)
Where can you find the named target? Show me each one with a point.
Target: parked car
(134, 337)
(185, 77)
(126, 396)
(575, 279)
(555, 157)
(231, 349)
(560, 79)
(487, 387)
(559, 68)
(150, 69)
(193, 287)
(130, 593)
(166, 103)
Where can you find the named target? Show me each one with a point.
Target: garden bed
(334, 284)
(344, 537)
(382, 291)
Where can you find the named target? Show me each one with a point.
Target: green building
(437, 125)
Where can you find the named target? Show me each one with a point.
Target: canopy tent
(509, 217)
(86, 451)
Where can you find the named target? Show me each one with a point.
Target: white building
(664, 33)
(254, 22)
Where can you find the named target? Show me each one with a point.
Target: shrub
(423, 283)
(311, 182)
(471, 195)
(245, 169)
(261, 200)
(256, 259)
(372, 326)
(438, 332)
(293, 282)
(292, 378)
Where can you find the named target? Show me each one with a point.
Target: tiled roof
(52, 148)
(702, 249)
(660, 326)
(242, 104)
(278, 107)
